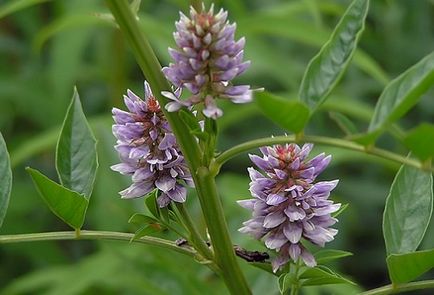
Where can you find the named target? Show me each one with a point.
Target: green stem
(195, 236)
(210, 204)
(96, 235)
(218, 230)
(393, 289)
(295, 285)
(345, 144)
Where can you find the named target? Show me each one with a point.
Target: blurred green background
(48, 48)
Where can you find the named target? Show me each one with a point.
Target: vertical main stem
(218, 230)
(295, 286)
(204, 180)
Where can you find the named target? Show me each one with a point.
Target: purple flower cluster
(288, 206)
(206, 61)
(148, 151)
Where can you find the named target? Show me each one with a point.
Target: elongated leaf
(344, 123)
(68, 205)
(265, 267)
(326, 255)
(151, 203)
(342, 209)
(62, 24)
(328, 66)
(289, 114)
(145, 230)
(321, 275)
(285, 281)
(402, 94)
(142, 219)
(17, 5)
(408, 210)
(421, 141)
(76, 157)
(404, 268)
(5, 179)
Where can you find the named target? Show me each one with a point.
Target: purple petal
(275, 199)
(137, 190)
(168, 141)
(294, 251)
(212, 111)
(293, 231)
(308, 258)
(248, 204)
(274, 219)
(275, 241)
(165, 183)
(178, 194)
(139, 152)
(279, 262)
(121, 117)
(123, 168)
(295, 213)
(163, 200)
(142, 174)
(260, 162)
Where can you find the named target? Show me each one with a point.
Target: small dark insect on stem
(250, 256)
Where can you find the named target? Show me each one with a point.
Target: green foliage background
(48, 48)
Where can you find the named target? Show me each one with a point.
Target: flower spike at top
(148, 150)
(206, 61)
(288, 206)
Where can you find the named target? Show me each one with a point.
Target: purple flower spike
(148, 151)
(288, 205)
(206, 60)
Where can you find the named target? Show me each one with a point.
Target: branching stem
(341, 143)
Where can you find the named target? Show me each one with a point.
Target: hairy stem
(95, 235)
(341, 143)
(393, 289)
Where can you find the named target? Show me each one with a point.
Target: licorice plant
(166, 143)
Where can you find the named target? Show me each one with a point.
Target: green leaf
(344, 123)
(190, 120)
(148, 225)
(285, 281)
(200, 135)
(327, 67)
(151, 203)
(5, 179)
(326, 255)
(404, 268)
(68, 205)
(142, 219)
(420, 141)
(265, 266)
(135, 6)
(76, 157)
(146, 230)
(408, 210)
(289, 114)
(321, 275)
(402, 94)
(164, 214)
(342, 209)
(17, 5)
(62, 24)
